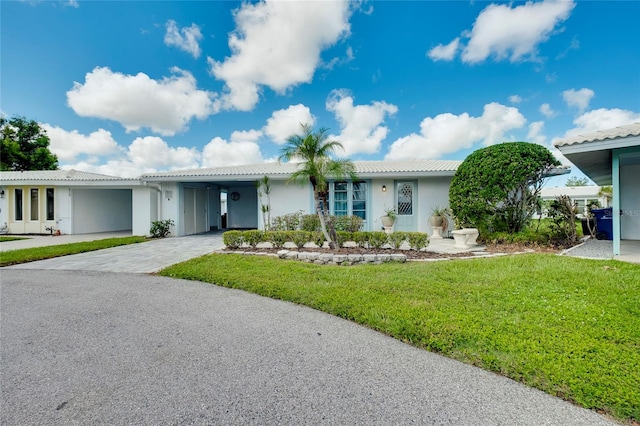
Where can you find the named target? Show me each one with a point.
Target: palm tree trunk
(323, 224)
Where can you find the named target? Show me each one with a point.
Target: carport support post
(615, 211)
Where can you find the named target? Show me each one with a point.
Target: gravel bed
(594, 249)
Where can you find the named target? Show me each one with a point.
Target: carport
(612, 157)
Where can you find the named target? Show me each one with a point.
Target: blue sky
(126, 88)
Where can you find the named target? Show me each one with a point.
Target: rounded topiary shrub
(496, 188)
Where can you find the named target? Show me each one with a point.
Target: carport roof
(364, 169)
(62, 177)
(592, 152)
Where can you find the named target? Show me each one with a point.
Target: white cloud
(286, 122)
(506, 32)
(445, 52)
(144, 155)
(185, 39)
(515, 99)
(277, 44)
(348, 57)
(446, 133)
(578, 98)
(546, 110)
(360, 125)
(241, 149)
(152, 152)
(165, 106)
(600, 119)
(67, 145)
(535, 133)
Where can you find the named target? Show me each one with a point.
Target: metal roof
(60, 176)
(363, 168)
(601, 135)
(571, 191)
(593, 153)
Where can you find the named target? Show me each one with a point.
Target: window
(34, 204)
(50, 204)
(359, 197)
(349, 198)
(340, 199)
(18, 203)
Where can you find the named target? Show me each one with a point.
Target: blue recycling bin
(604, 223)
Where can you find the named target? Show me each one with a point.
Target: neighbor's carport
(612, 157)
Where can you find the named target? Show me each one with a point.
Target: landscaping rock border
(329, 258)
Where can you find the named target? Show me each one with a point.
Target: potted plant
(389, 217)
(439, 217)
(439, 220)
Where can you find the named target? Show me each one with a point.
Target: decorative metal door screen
(405, 199)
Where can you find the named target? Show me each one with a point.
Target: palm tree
(312, 150)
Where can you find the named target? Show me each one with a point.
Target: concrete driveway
(147, 257)
(84, 347)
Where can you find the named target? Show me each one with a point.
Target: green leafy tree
(24, 146)
(496, 188)
(313, 151)
(576, 181)
(607, 192)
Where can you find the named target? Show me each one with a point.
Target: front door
(406, 207)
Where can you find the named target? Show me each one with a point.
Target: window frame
(18, 205)
(50, 205)
(34, 204)
(350, 191)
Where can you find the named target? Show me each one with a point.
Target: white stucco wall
(63, 209)
(101, 210)
(169, 205)
(145, 209)
(286, 198)
(4, 206)
(433, 192)
(380, 200)
(630, 202)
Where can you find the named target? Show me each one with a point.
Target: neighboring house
(581, 196)
(192, 198)
(73, 202)
(612, 157)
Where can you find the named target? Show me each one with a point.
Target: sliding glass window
(18, 203)
(34, 204)
(50, 204)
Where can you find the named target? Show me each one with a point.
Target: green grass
(14, 257)
(5, 239)
(570, 327)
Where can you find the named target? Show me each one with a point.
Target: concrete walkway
(144, 257)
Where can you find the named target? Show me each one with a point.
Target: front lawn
(6, 238)
(13, 257)
(570, 327)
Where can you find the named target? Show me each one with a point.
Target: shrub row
(364, 239)
(311, 222)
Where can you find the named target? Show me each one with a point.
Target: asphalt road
(92, 348)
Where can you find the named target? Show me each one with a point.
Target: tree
(576, 181)
(313, 150)
(25, 146)
(606, 192)
(496, 188)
